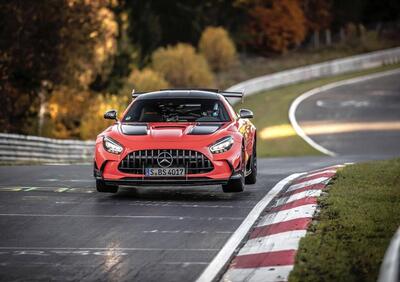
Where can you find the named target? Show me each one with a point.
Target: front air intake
(194, 162)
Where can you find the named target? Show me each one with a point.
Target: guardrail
(390, 268)
(329, 68)
(24, 149)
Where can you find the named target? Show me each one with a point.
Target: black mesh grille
(194, 162)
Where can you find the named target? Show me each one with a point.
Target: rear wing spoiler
(226, 94)
(233, 94)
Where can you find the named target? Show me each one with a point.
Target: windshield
(177, 110)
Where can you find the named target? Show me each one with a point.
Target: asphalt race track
(361, 118)
(54, 226)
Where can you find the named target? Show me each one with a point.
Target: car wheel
(252, 177)
(236, 185)
(101, 186)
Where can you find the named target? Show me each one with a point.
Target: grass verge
(359, 215)
(271, 114)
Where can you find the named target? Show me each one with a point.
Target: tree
(144, 81)
(218, 48)
(92, 121)
(181, 66)
(276, 25)
(50, 43)
(317, 13)
(66, 107)
(155, 23)
(318, 16)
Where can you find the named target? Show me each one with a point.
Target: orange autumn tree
(276, 25)
(318, 17)
(318, 13)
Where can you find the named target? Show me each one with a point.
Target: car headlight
(112, 146)
(222, 145)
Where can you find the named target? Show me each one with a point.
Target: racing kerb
(269, 250)
(21, 148)
(271, 246)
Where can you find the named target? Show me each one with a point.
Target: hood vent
(168, 126)
(134, 129)
(204, 129)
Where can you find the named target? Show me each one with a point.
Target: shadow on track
(176, 194)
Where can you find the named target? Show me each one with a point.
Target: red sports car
(178, 137)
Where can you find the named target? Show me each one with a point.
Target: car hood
(166, 132)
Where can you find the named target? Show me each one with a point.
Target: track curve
(54, 226)
(361, 117)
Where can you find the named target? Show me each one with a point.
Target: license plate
(170, 171)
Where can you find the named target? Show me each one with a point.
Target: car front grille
(194, 162)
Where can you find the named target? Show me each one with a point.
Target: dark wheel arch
(252, 177)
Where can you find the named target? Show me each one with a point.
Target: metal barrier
(329, 68)
(22, 148)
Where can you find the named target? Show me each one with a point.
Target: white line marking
(225, 254)
(319, 172)
(298, 196)
(307, 183)
(122, 216)
(185, 263)
(45, 189)
(106, 249)
(61, 190)
(277, 242)
(389, 270)
(66, 180)
(30, 189)
(285, 215)
(156, 231)
(260, 274)
(304, 96)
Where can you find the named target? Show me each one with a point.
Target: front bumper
(225, 166)
(166, 182)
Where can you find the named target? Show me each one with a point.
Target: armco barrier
(22, 148)
(329, 68)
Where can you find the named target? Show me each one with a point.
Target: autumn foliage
(46, 46)
(65, 108)
(218, 48)
(318, 14)
(92, 121)
(181, 66)
(276, 26)
(144, 80)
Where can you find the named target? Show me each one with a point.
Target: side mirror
(111, 114)
(244, 113)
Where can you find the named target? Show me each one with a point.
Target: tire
(236, 185)
(102, 187)
(252, 177)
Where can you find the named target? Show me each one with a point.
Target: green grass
(271, 109)
(359, 215)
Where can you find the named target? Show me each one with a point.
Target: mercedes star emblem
(164, 159)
